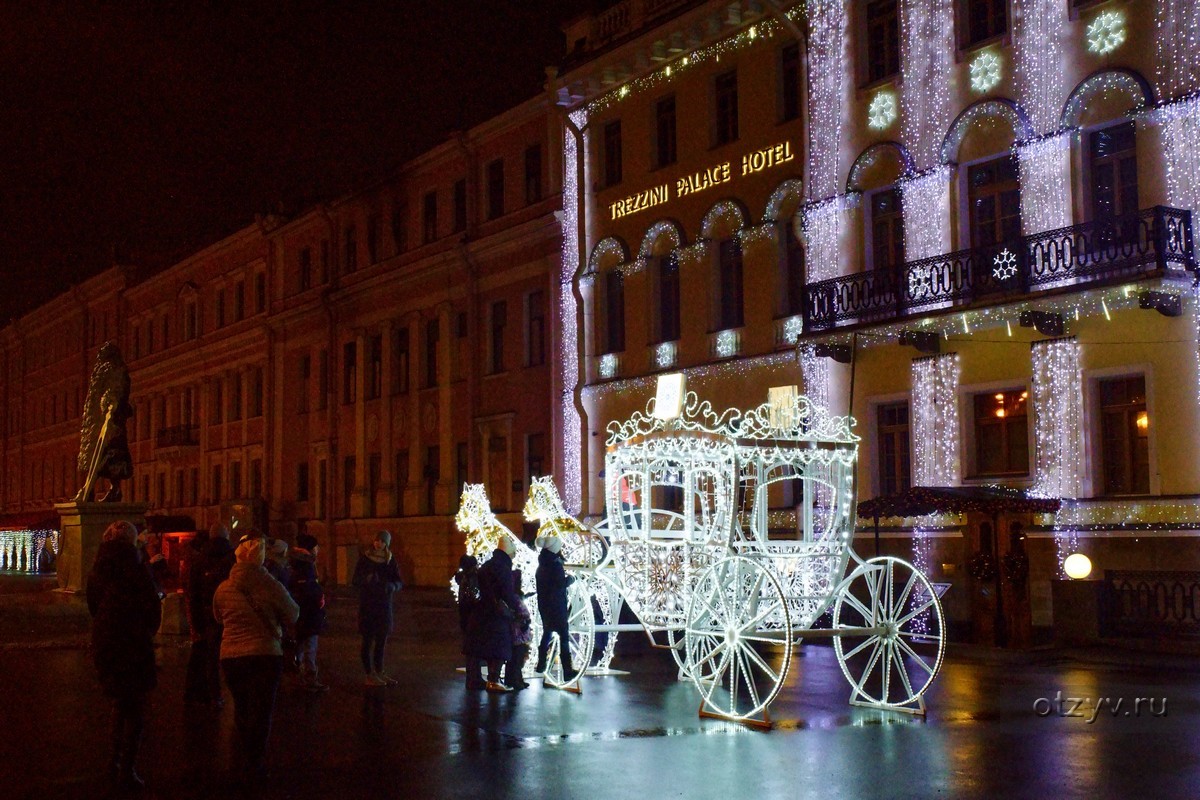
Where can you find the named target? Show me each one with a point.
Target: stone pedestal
(83, 525)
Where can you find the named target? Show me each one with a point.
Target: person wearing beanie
(489, 633)
(206, 572)
(552, 583)
(307, 592)
(125, 616)
(377, 578)
(254, 610)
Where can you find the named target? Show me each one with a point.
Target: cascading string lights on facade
(572, 434)
(1177, 40)
(926, 66)
(1044, 168)
(1058, 430)
(1038, 31)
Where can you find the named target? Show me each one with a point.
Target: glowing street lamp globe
(1077, 566)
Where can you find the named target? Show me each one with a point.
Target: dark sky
(159, 127)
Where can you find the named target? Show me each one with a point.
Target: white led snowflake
(727, 344)
(882, 111)
(664, 355)
(1106, 33)
(608, 365)
(985, 71)
(1004, 265)
(918, 282)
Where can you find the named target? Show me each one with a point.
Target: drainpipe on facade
(464, 252)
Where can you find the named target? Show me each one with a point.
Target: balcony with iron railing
(1154, 243)
(177, 437)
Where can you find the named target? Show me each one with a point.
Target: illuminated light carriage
(695, 558)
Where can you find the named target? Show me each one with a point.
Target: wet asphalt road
(635, 736)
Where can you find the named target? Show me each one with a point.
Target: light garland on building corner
(827, 78)
(572, 423)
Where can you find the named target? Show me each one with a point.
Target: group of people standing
(496, 623)
(247, 604)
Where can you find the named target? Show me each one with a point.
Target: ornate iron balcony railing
(178, 436)
(1156, 242)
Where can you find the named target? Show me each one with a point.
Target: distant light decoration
(1039, 40)
(1004, 265)
(21, 550)
(927, 49)
(881, 113)
(664, 355)
(985, 72)
(792, 328)
(727, 344)
(1106, 32)
(608, 365)
(1077, 566)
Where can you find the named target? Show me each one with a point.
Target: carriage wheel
(738, 639)
(581, 626)
(679, 652)
(891, 668)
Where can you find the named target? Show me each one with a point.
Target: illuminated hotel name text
(757, 161)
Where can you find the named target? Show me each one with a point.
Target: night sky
(157, 128)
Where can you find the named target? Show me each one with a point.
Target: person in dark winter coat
(204, 576)
(489, 633)
(277, 560)
(522, 636)
(552, 583)
(467, 579)
(125, 616)
(377, 578)
(307, 592)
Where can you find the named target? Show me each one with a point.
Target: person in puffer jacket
(254, 609)
(307, 592)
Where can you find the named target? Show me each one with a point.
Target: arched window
(729, 311)
(614, 312)
(791, 268)
(664, 270)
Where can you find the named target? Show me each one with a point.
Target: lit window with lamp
(1124, 435)
(1002, 434)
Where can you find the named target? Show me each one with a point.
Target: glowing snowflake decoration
(1004, 265)
(727, 344)
(792, 329)
(1106, 33)
(608, 365)
(985, 72)
(918, 282)
(882, 111)
(664, 355)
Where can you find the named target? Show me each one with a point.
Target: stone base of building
(83, 525)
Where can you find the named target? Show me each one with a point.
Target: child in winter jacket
(307, 592)
(522, 637)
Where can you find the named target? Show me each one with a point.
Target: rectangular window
(792, 258)
(189, 320)
(161, 486)
(664, 132)
(887, 230)
(433, 473)
(400, 360)
(348, 468)
(729, 279)
(1002, 433)
(256, 392)
(1124, 435)
(499, 320)
(260, 292)
(789, 82)
(324, 261)
(995, 201)
(302, 482)
(883, 40)
(461, 463)
(401, 480)
(350, 258)
(235, 396)
(239, 301)
(137, 341)
(180, 498)
(533, 174)
(166, 332)
(322, 486)
(373, 239)
(374, 474)
(984, 19)
(460, 205)
(429, 219)
(217, 489)
(349, 372)
(399, 231)
(323, 381)
(725, 117)
(304, 268)
(374, 366)
(149, 341)
(220, 308)
(535, 457)
(495, 188)
(195, 493)
(305, 383)
(666, 275)
(612, 153)
(433, 335)
(535, 338)
(235, 478)
(256, 477)
(1112, 162)
(614, 312)
(218, 402)
(894, 460)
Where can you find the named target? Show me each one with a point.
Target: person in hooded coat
(378, 579)
(552, 583)
(206, 573)
(307, 592)
(489, 632)
(467, 579)
(126, 612)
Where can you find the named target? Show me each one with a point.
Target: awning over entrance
(922, 500)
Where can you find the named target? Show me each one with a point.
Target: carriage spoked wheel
(738, 639)
(676, 641)
(581, 628)
(901, 648)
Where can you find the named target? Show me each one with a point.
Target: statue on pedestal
(103, 444)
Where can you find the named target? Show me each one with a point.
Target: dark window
(166, 332)
(883, 40)
(433, 473)
(220, 307)
(1124, 435)
(499, 320)
(612, 153)
(351, 256)
(195, 493)
(256, 477)
(305, 268)
(460, 205)
(429, 219)
(729, 284)
(349, 372)
(887, 230)
(239, 301)
(401, 480)
(664, 131)
(726, 116)
(535, 457)
(399, 232)
(260, 292)
(400, 360)
(372, 239)
(218, 403)
(374, 470)
(324, 261)
(533, 173)
(984, 19)
(189, 320)
(322, 486)
(666, 274)
(1002, 433)
(217, 488)
(535, 340)
(235, 397)
(789, 82)
(349, 465)
(1113, 167)
(461, 462)
(792, 278)
(894, 462)
(323, 381)
(374, 365)
(433, 334)
(614, 312)
(256, 392)
(235, 478)
(995, 201)
(495, 188)
(305, 388)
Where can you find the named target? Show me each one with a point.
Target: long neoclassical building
(965, 222)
